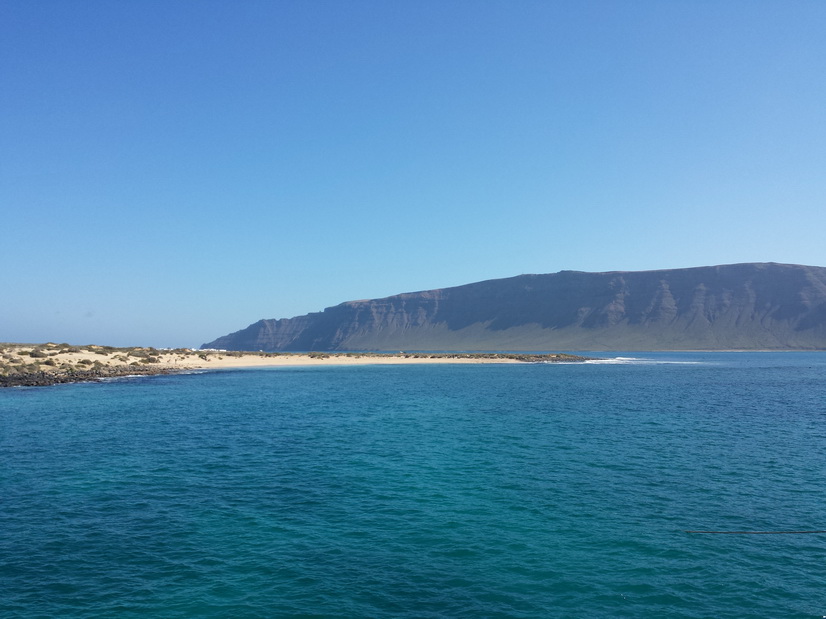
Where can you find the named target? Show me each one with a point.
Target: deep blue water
(421, 491)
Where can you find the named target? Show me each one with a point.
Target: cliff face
(740, 306)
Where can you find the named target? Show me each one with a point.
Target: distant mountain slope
(738, 306)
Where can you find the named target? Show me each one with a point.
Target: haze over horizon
(170, 172)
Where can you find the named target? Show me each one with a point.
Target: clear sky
(172, 171)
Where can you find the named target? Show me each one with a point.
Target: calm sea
(421, 491)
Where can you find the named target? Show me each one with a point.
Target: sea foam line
(640, 361)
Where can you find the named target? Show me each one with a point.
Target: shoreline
(40, 365)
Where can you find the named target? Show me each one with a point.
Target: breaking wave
(643, 361)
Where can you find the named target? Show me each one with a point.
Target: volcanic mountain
(737, 306)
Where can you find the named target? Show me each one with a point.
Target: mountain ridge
(738, 306)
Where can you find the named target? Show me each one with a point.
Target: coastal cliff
(739, 306)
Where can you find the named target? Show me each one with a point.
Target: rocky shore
(35, 365)
(44, 379)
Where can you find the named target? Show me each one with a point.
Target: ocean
(535, 490)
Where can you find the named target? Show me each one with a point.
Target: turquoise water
(421, 491)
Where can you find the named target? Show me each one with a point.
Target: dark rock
(43, 379)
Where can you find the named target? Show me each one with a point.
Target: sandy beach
(45, 364)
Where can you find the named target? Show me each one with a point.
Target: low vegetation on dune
(50, 363)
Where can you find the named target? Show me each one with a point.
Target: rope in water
(755, 532)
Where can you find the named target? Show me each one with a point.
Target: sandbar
(47, 364)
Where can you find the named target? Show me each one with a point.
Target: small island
(35, 365)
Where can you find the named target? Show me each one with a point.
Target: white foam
(640, 361)
(614, 361)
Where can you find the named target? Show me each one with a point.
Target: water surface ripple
(421, 491)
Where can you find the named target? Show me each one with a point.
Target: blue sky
(174, 171)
